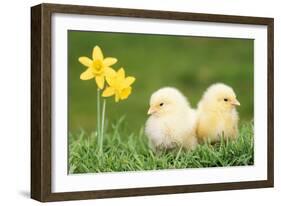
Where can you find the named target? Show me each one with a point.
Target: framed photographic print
(130, 102)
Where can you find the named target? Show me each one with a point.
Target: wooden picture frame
(41, 96)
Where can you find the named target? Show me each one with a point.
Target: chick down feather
(217, 116)
(172, 121)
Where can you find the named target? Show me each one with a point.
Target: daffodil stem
(102, 125)
(98, 117)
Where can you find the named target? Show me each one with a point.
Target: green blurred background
(190, 64)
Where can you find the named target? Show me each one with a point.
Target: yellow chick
(172, 121)
(216, 114)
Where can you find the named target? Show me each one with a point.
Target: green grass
(126, 151)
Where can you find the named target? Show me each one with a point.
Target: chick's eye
(225, 99)
(161, 104)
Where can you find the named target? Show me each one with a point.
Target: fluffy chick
(216, 114)
(172, 121)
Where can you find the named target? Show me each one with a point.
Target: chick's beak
(151, 110)
(235, 102)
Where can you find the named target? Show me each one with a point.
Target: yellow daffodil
(98, 67)
(119, 85)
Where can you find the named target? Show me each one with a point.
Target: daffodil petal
(85, 61)
(125, 93)
(88, 74)
(108, 71)
(128, 81)
(100, 81)
(97, 53)
(110, 80)
(110, 75)
(109, 61)
(121, 73)
(109, 91)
